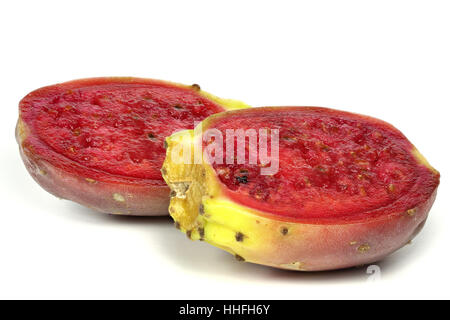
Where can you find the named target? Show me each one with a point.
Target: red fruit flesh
(334, 167)
(108, 132)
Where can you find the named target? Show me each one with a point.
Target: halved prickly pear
(330, 190)
(99, 141)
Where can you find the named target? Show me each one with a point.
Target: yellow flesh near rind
(22, 130)
(228, 104)
(421, 159)
(201, 210)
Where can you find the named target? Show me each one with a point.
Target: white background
(388, 59)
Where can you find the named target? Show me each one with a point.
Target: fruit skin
(202, 209)
(69, 180)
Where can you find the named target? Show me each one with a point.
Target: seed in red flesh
(100, 141)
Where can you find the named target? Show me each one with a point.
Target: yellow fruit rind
(200, 210)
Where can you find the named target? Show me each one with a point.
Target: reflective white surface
(385, 59)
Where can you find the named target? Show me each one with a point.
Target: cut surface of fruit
(349, 189)
(111, 130)
(331, 166)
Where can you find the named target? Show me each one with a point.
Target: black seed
(165, 144)
(172, 193)
(177, 106)
(196, 87)
(239, 236)
(189, 233)
(284, 231)
(201, 209)
(177, 225)
(242, 179)
(201, 232)
(239, 258)
(151, 136)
